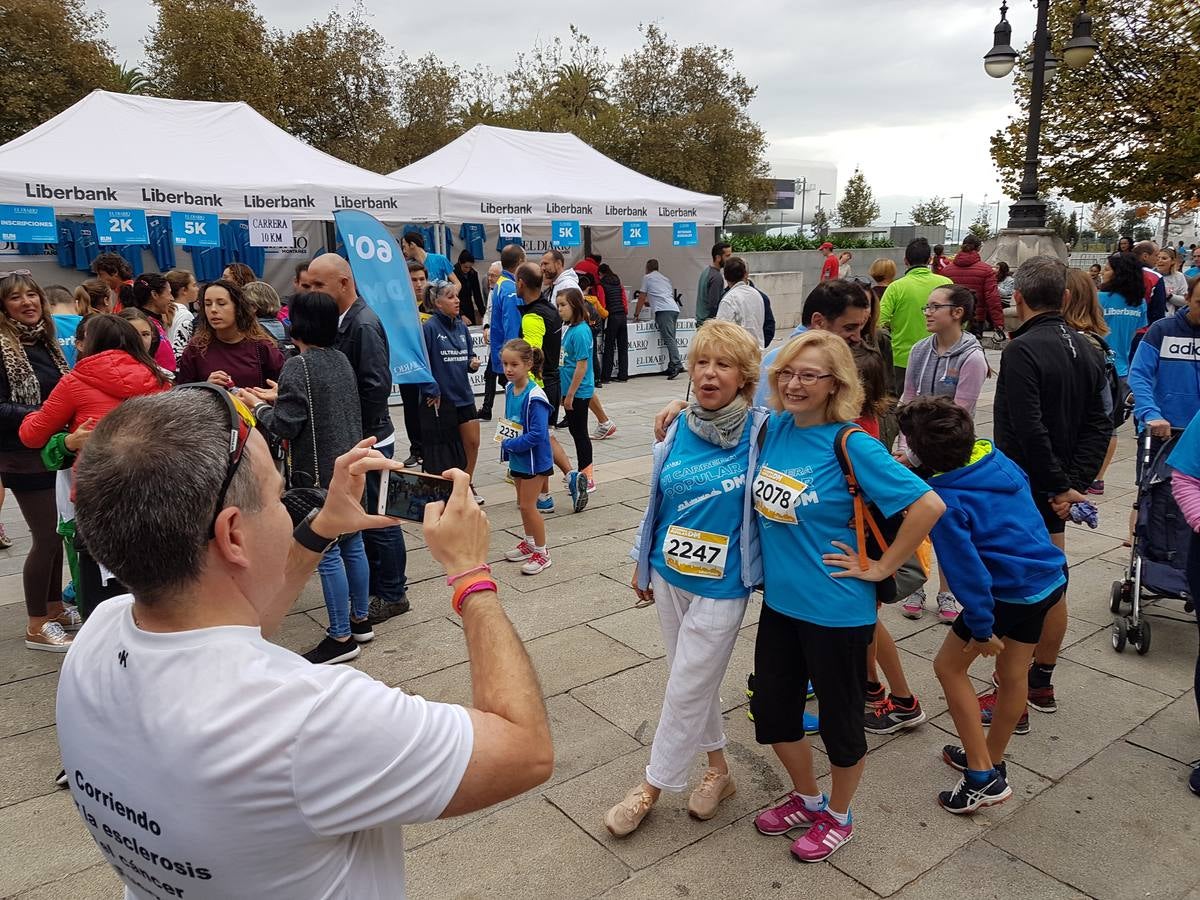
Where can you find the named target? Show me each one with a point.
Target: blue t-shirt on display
(577, 347)
(240, 250)
(438, 267)
(208, 262)
(132, 254)
(65, 326)
(87, 247)
(66, 243)
(161, 244)
(1123, 322)
(31, 249)
(698, 520)
(502, 242)
(472, 234)
(802, 504)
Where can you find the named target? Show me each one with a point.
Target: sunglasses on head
(241, 423)
(16, 272)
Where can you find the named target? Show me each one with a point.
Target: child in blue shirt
(66, 316)
(524, 438)
(1006, 573)
(577, 366)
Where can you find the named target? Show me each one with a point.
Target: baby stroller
(1158, 560)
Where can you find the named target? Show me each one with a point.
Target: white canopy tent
(492, 173)
(159, 155)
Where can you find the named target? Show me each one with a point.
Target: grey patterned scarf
(723, 426)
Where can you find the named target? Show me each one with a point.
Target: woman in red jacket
(112, 366)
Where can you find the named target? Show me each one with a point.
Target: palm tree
(580, 90)
(131, 80)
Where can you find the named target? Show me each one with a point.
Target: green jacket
(902, 310)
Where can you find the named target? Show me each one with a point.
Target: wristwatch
(309, 539)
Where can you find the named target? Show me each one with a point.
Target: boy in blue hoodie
(1006, 573)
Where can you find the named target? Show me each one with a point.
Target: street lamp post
(1029, 211)
(820, 195)
(959, 198)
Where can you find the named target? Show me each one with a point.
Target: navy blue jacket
(449, 344)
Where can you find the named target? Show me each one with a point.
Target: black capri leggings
(42, 575)
(577, 424)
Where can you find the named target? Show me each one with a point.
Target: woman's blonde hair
(883, 269)
(846, 403)
(1081, 309)
(266, 301)
(719, 338)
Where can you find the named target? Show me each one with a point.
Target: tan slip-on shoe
(713, 788)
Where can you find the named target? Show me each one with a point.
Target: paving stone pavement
(1100, 806)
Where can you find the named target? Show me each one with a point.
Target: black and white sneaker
(889, 717)
(381, 610)
(60, 780)
(362, 631)
(966, 799)
(331, 651)
(956, 758)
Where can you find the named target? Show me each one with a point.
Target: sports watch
(309, 539)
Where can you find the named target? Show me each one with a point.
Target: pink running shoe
(819, 842)
(520, 553)
(791, 813)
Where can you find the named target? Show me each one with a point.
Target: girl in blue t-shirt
(1123, 301)
(697, 563)
(818, 615)
(577, 366)
(524, 437)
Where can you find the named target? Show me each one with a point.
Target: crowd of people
(845, 458)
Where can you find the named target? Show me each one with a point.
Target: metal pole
(1029, 211)
(960, 205)
(803, 196)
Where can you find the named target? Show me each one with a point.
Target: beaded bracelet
(470, 587)
(450, 579)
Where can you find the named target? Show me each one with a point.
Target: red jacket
(972, 272)
(589, 267)
(91, 390)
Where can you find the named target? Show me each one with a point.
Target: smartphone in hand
(404, 493)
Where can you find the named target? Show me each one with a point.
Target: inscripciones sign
(28, 224)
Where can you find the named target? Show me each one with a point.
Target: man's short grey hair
(146, 487)
(1041, 281)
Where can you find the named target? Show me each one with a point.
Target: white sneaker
(914, 604)
(537, 562)
(69, 618)
(604, 430)
(947, 607)
(520, 553)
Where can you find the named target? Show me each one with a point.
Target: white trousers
(699, 633)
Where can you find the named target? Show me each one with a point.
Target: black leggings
(577, 423)
(411, 395)
(42, 575)
(489, 386)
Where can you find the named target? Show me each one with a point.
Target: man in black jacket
(362, 338)
(1050, 420)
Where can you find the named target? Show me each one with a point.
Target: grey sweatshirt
(958, 374)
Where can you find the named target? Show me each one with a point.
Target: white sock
(543, 496)
(840, 818)
(812, 804)
(529, 540)
(537, 549)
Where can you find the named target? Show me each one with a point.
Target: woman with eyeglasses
(309, 408)
(31, 366)
(229, 348)
(448, 405)
(819, 603)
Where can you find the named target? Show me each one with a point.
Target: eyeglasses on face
(933, 307)
(808, 379)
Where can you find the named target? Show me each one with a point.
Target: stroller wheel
(1119, 635)
(1141, 641)
(1116, 596)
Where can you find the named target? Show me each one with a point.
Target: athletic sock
(545, 496)
(902, 701)
(978, 779)
(529, 540)
(812, 804)
(873, 686)
(1040, 675)
(841, 818)
(541, 550)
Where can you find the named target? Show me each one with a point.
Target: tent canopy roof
(491, 173)
(159, 155)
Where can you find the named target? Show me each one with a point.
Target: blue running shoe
(812, 724)
(811, 694)
(545, 504)
(577, 486)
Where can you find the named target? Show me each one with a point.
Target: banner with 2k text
(381, 275)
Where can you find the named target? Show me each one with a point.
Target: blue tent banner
(565, 233)
(635, 234)
(28, 224)
(381, 276)
(685, 234)
(192, 229)
(121, 227)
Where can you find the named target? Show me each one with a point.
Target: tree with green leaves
(981, 225)
(214, 50)
(52, 56)
(857, 208)
(820, 223)
(1102, 221)
(131, 80)
(1125, 126)
(336, 85)
(1132, 222)
(934, 211)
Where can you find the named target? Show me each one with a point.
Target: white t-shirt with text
(213, 764)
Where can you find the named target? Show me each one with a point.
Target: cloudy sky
(897, 88)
